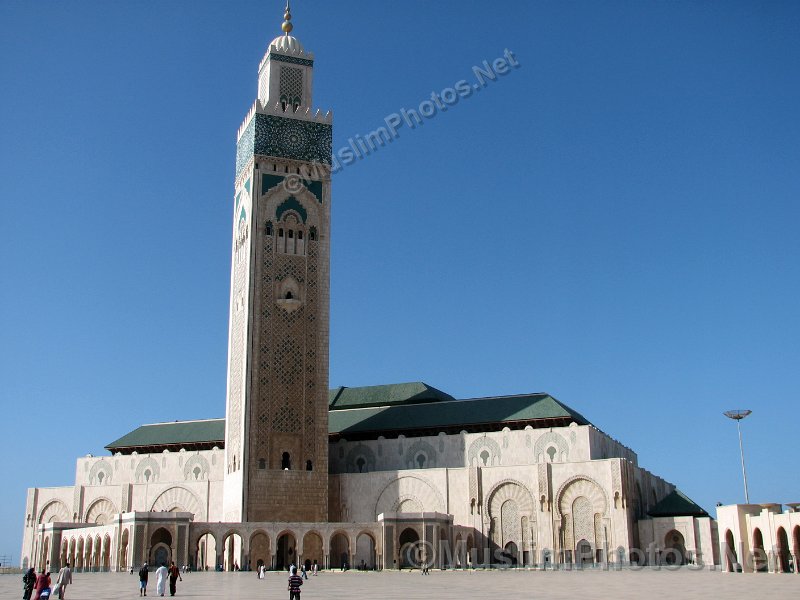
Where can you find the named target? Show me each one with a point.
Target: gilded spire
(287, 23)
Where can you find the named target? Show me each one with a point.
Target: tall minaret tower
(276, 437)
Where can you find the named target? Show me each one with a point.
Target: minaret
(276, 438)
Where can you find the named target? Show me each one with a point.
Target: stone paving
(681, 584)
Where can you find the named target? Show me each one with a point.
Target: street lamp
(738, 415)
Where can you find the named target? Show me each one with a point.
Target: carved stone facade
(277, 426)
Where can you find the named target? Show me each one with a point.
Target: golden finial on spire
(287, 23)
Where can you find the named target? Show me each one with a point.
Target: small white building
(759, 538)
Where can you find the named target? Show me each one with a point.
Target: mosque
(380, 477)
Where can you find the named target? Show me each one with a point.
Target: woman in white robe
(161, 582)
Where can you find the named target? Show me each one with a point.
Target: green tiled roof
(451, 413)
(384, 395)
(179, 432)
(378, 410)
(677, 504)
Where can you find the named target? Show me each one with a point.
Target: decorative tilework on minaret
(276, 441)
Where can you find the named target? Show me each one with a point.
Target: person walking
(28, 581)
(295, 582)
(314, 567)
(42, 583)
(161, 581)
(303, 573)
(64, 579)
(143, 575)
(174, 576)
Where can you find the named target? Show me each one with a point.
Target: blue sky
(614, 222)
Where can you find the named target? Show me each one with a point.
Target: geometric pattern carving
(360, 459)
(616, 482)
(100, 512)
(405, 488)
(178, 499)
(291, 59)
(598, 531)
(509, 490)
(244, 147)
(290, 85)
(294, 139)
(147, 471)
(551, 438)
(100, 473)
(510, 522)
(583, 520)
(581, 486)
(483, 451)
(54, 511)
(420, 455)
(409, 505)
(236, 365)
(196, 468)
(285, 398)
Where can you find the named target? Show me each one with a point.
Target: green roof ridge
(172, 433)
(677, 504)
(414, 392)
(412, 406)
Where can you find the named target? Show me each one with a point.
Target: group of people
(37, 587)
(304, 569)
(162, 573)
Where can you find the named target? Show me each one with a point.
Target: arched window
(269, 227)
(485, 457)
(291, 234)
(262, 463)
(361, 463)
(312, 234)
(299, 235)
(421, 460)
(280, 232)
(289, 295)
(286, 463)
(309, 466)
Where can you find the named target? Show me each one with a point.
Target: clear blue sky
(615, 222)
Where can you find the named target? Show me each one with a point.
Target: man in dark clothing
(295, 581)
(28, 581)
(143, 574)
(174, 575)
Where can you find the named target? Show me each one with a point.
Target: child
(295, 581)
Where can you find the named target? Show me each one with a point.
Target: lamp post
(738, 415)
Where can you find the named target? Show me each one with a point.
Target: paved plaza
(647, 583)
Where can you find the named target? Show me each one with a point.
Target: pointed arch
(409, 487)
(196, 468)
(178, 499)
(100, 511)
(581, 485)
(509, 489)
(483, 452)
(55, 510)
(101, 473)
(147, 471)
(551, 447)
